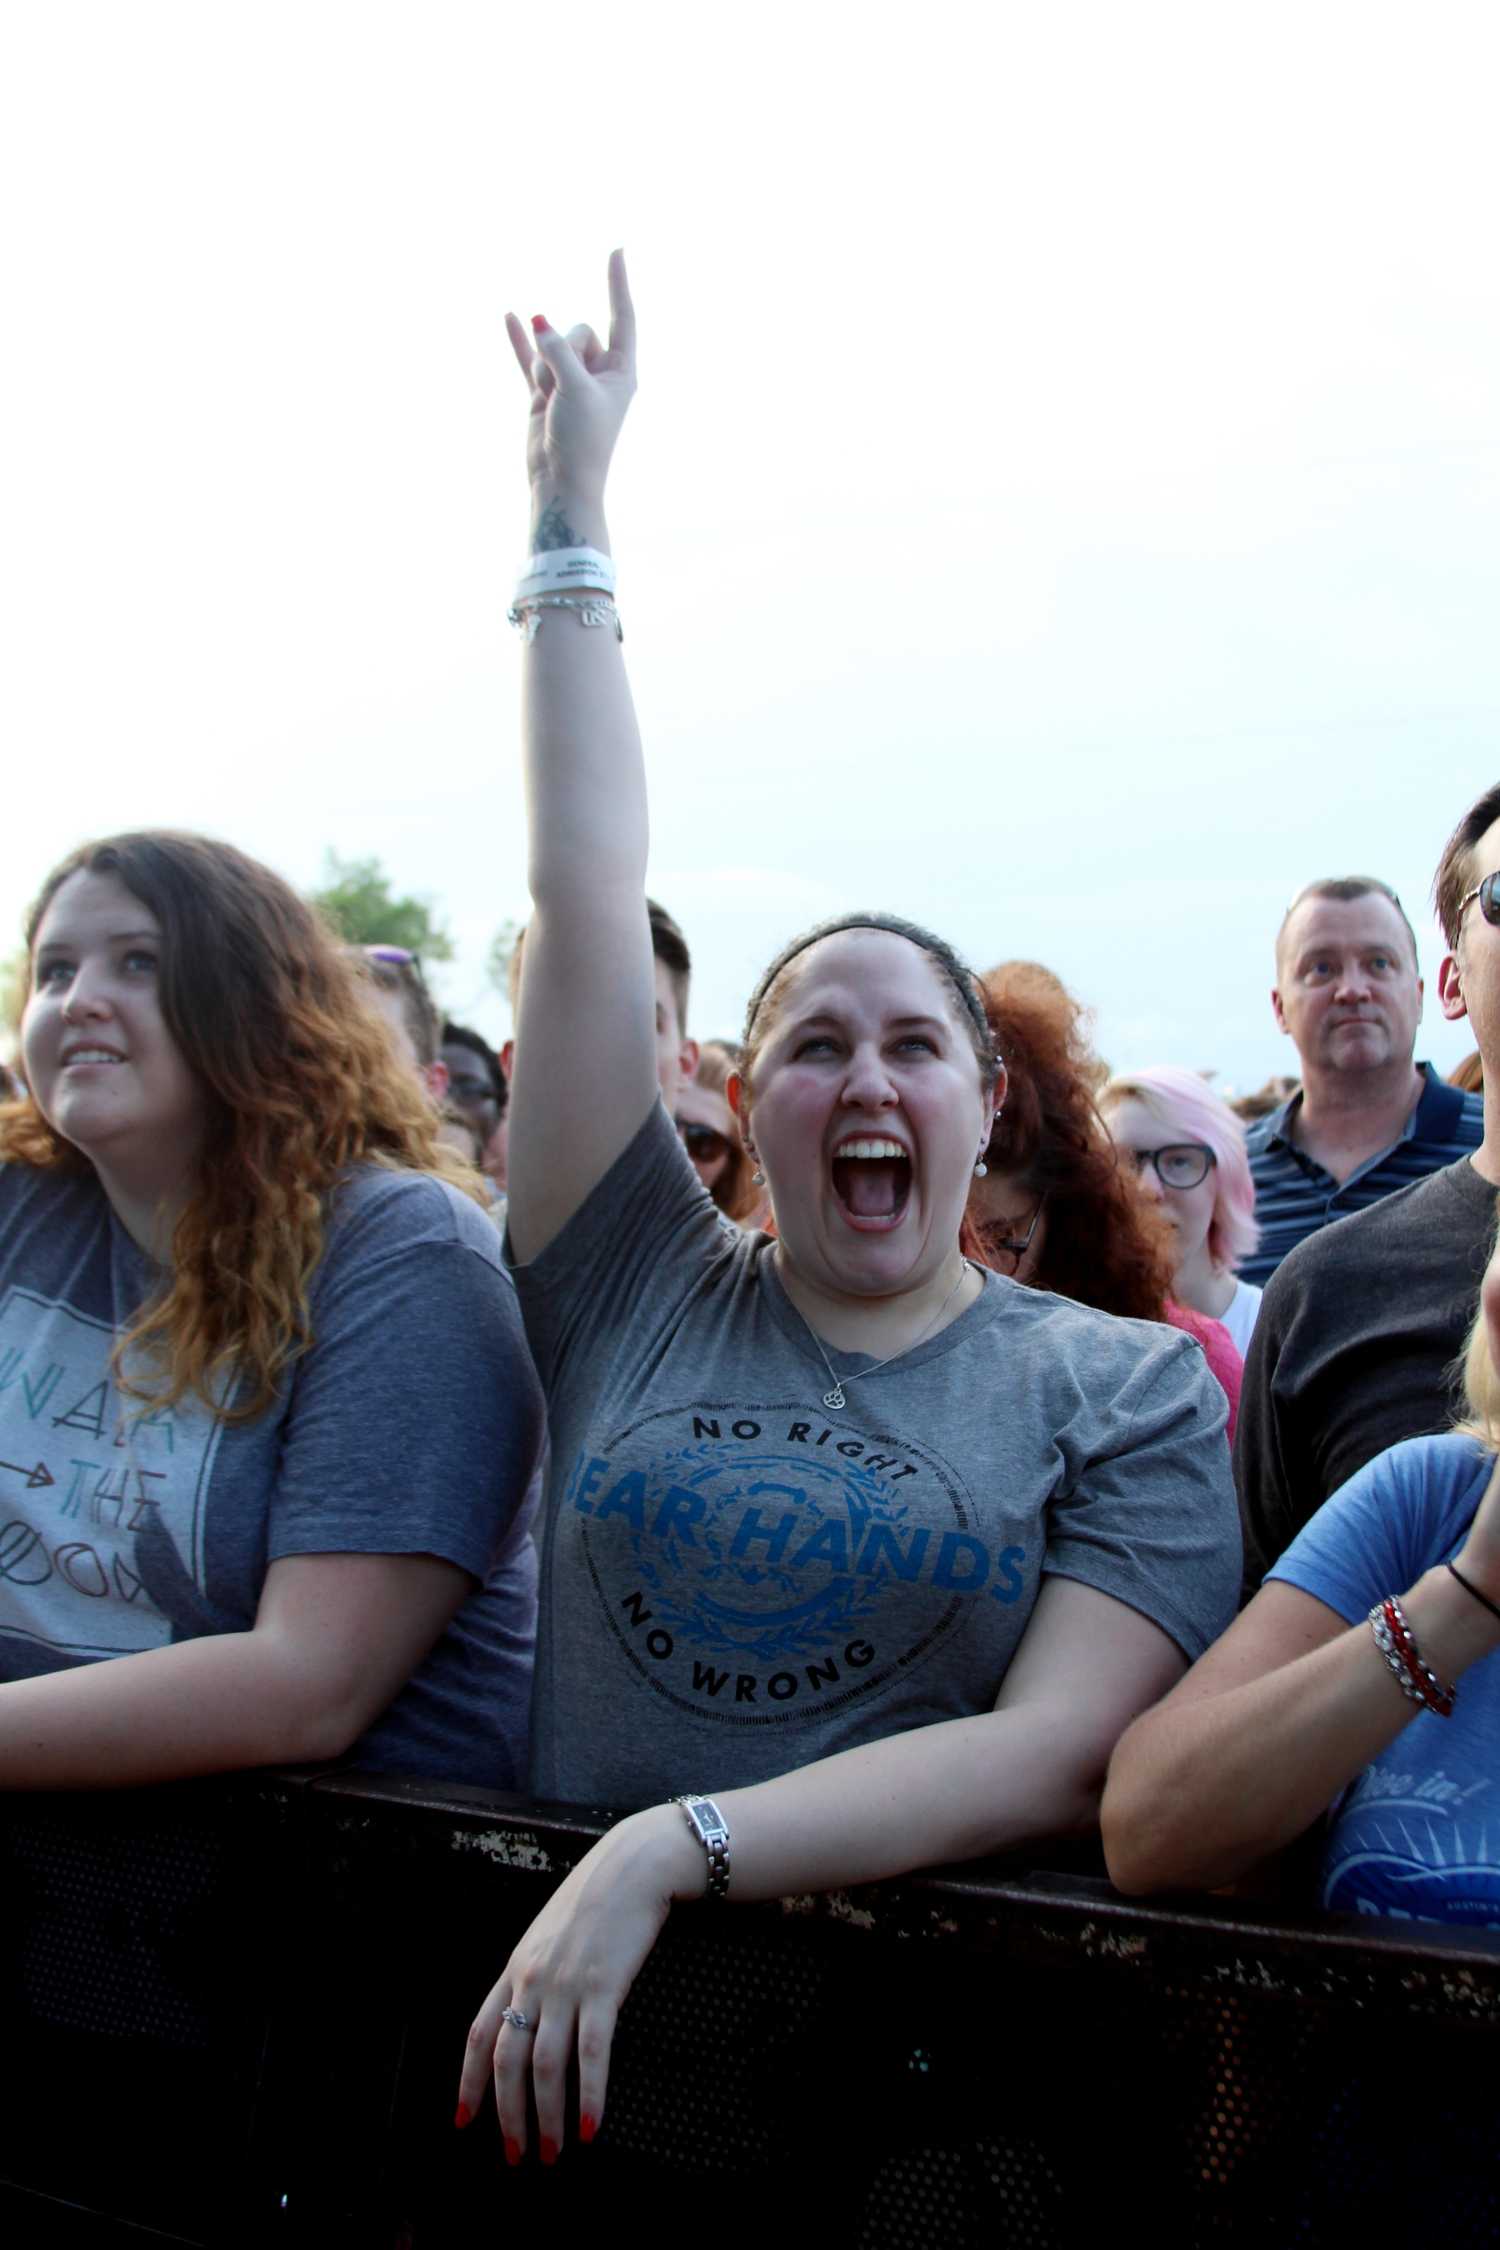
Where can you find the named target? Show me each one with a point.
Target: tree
(355, 895)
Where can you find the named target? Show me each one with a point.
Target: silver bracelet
(712, 1831)
(525, 613)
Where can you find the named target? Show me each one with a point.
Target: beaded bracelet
(1397, 1644)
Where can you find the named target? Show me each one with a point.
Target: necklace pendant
(834, 1399)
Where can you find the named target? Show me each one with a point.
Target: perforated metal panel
(1025, 2062)
(131, 1977)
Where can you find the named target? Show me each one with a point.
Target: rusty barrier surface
(235, 2013)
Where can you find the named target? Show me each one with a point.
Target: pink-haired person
(1189, 1149)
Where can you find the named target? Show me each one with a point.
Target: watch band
(712, 1831)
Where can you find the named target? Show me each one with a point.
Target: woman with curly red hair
(267, 1419)
(1054, 1207)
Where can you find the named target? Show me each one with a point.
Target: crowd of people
(814, 1444)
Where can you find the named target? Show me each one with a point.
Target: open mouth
(872, 1180)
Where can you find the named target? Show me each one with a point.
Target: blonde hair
(1481, 1383)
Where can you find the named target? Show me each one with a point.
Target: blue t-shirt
(1416, 1835)
(412, 1426)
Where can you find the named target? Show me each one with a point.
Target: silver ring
(516, 2020)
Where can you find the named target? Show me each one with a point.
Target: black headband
(960, 977)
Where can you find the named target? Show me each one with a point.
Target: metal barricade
(237, 2012)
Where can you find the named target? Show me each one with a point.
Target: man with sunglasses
(477, 1088)
(1361, 1324)
(1367, 1119)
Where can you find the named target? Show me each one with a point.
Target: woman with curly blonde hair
(266, 1416)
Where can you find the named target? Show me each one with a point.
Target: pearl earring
(980, 1169)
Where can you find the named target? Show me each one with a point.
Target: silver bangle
(525, 613)
(712, 1831)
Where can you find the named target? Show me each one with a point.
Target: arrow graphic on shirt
(39, 1475)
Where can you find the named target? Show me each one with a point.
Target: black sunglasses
(474, 1093)
(1488, 895)
(702, 1143)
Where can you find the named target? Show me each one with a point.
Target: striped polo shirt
(1294, 1196)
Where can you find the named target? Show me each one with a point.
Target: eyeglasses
(702, 1143)
(1184, 1164)
(1014, 1246)
(1488, 895)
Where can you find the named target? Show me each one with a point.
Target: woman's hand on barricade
(565, 1983)
(580, 390)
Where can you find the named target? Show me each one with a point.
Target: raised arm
(585, 1037)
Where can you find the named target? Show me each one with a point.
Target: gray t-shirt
(411, 1426)
(738, 1580)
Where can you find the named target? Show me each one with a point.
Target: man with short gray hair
(1359, 1329)
(1367, 1119)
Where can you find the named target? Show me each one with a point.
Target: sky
(1060, 504)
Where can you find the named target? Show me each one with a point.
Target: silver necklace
(835, 1400)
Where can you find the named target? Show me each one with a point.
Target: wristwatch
(712, 1831)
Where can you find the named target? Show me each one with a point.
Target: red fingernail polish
(586, 2128)
(548, 2150)
(539, 322)
(461, 2116)
(512, 2150)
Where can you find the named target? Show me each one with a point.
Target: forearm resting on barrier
(335, 1638)
(1265, 1731)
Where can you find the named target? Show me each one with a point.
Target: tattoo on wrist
(553, 531)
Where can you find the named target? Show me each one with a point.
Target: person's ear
(1451, 989)
(737, 1094)
(508, 1059)
(435, 1079)
(687, 1058)
(1279, 1012)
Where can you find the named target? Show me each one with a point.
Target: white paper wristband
(563, 568)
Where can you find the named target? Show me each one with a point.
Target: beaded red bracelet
(1397, 1644)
